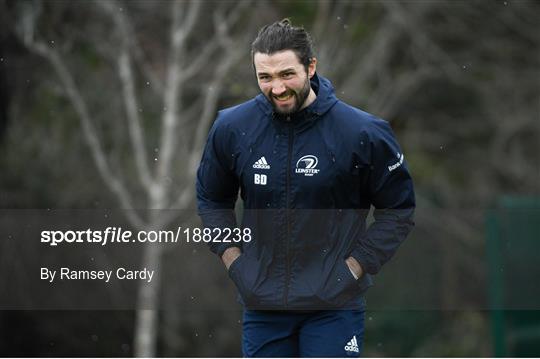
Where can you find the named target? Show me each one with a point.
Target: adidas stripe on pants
(329, 333)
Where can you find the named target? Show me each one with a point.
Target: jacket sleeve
(217, 185)
(391, 192)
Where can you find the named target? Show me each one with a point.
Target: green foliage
(301, 12)
(45, 152)
(395, 333)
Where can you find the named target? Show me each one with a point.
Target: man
(308, 167)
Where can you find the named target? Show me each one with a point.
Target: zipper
(288, 214)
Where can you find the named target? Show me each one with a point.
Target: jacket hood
(325, 98)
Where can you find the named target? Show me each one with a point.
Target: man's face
(283, 80)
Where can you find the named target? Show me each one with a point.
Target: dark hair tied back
(281, 36)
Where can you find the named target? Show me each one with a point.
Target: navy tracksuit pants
(328, 333)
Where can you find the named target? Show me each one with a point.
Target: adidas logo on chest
(261, 164)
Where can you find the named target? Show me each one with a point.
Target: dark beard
(299, 98)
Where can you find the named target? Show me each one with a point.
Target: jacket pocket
(341, 286)
(237, 275)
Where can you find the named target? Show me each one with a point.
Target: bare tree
(184, 64)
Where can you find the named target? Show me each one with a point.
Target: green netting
(513, 248)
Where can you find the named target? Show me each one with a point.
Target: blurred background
(107, 104)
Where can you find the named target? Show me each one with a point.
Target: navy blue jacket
(307, 182)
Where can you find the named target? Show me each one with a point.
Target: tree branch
(131, 101)
(89, 131)
(173, 90)
(134, 122)
(231, 56)
(127, 33)
(409, 23)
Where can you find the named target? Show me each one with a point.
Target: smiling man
(308, 167)
(285, 81)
